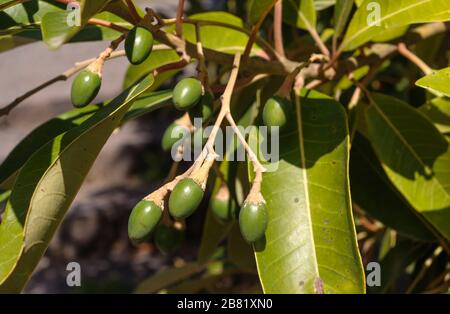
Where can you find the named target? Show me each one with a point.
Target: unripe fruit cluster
(86, 85)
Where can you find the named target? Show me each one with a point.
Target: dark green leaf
(414, 155)
(310, 244)
(46, 186)
(369, 182)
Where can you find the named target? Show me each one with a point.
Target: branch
(408, 54)
(108, 24)
(61, 77)
(107, 55)
(259, 40)
(133, 12)
(278, 28)
(254, 33)
(179, 19)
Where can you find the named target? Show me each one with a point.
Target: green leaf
(21, 24)
(64, 122)
(300, 13)
(437, 82)
(168, 277)
(256, 8)
(368, 182)
(310, 244)
(341, 14)
(46, 186)
(438, 111)
(414, 155)
(392, 14)
(56, 30)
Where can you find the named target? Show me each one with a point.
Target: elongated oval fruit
(168, 239)
(144, 217)
(85, 88)
(185, 198)
(223, 205)
(276, 112)
(173, 134)
(138, 45)
(203, 110)
(187, 93)
(253, 220)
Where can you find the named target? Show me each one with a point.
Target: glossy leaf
(369, 181)
(64, 122)
(376, 17)
(414, 155)
(438, 111)
(310, 244)
(437, 82)
(300, 13)
(58, 27)
(46, 186)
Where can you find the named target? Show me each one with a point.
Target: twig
(426, 266)
(61, 77)
(179, 19)
(278, 28)
(68, 73)
(224, 109)
(170, 66)
(408, 54)
(319, 42)
(108, 24)
(259, 40)
(201, 67)
(133, 12)
(254, 33)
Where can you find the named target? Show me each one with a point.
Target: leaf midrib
(305, 180)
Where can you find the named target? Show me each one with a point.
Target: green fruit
(138, 44)
(187, 93)
(168, 239)
(203, 110)
(85, 87)
(185, 198)
(143, 219)
(276, 112)
(173, 134)
(253, 220)
(224, 210)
